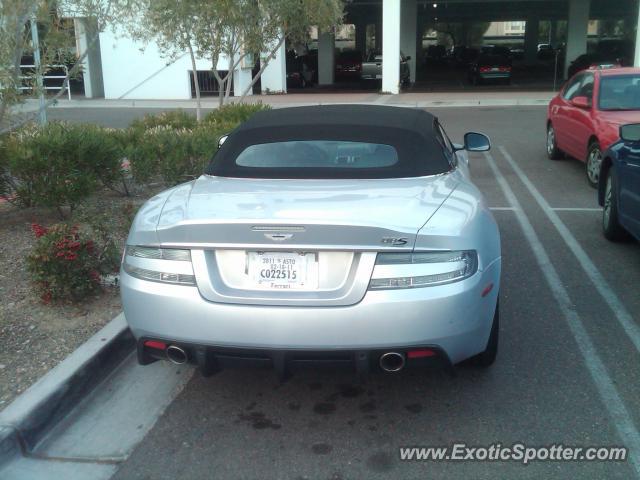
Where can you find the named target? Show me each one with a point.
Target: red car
(585, 117)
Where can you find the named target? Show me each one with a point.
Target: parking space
(566, 372)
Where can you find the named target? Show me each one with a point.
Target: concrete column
(326, 58)
(391, 46)
(531, 31)
(361, 37)
(409, 20)
(553, 33)
(636, 55)
(274, 77)
(578, 24)
(86, 30)
(241, 79)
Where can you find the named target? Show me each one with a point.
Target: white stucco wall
(135, 71)
(132, 70)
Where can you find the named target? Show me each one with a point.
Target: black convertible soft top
(411, 132)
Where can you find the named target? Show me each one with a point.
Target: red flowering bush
(64, 264)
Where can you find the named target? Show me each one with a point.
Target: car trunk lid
(324, 233)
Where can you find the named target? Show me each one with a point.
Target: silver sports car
(347, 234)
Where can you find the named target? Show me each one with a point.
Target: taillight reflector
(155, 344)
(422, 353)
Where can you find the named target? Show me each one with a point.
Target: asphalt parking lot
(567, 371)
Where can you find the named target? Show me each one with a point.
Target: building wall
(500, 29)
(132, 70)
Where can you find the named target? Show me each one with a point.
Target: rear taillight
(485, 69)
(422, 269)
(164, 265)
(505, 69)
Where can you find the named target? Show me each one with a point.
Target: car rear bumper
(211, 359)
(455, 318)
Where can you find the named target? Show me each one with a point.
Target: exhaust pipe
(176, 355)
(392, 361)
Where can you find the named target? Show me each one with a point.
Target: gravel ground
(35, 337)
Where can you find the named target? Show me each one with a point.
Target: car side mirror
(222, 140)
(581, 102)
(630, 133)
(476, 142)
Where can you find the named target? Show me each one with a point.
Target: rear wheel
(610, 226)
(486, 358)
(552, 147)
(594, 162)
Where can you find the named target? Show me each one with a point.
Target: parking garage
(440, 42)
(394, 46)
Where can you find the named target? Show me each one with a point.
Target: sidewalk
(409, 99)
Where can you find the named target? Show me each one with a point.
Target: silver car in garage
(344, 234)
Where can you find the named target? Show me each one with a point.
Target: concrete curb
(410, 100)
(28, 419)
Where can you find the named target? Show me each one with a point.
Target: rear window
(329, 151)
(493, 60)
(318, 154)
(351, 55)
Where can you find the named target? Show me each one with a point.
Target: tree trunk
(262, 68)
(196, 83)
(230, 69)
(220, 80)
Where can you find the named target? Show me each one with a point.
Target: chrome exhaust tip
(392, 361)
(176, 355)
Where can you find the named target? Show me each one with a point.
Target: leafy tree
(167, 23)
(56, 41)
(275, 21)
(236, 30)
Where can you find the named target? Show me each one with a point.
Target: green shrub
(64, 264)
(174, 148)
(175, 155)
(234, 113)
(59, 164)
(176, 119)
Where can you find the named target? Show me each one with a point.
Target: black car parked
(490, 68)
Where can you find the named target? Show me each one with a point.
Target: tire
(486, 358)
(552, 147)
(593, 164)
(611, 227)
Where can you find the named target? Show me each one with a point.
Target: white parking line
(609, 394)
(571, 209)
(621, 313)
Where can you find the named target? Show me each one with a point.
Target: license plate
(281, 270)
(495, 69)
